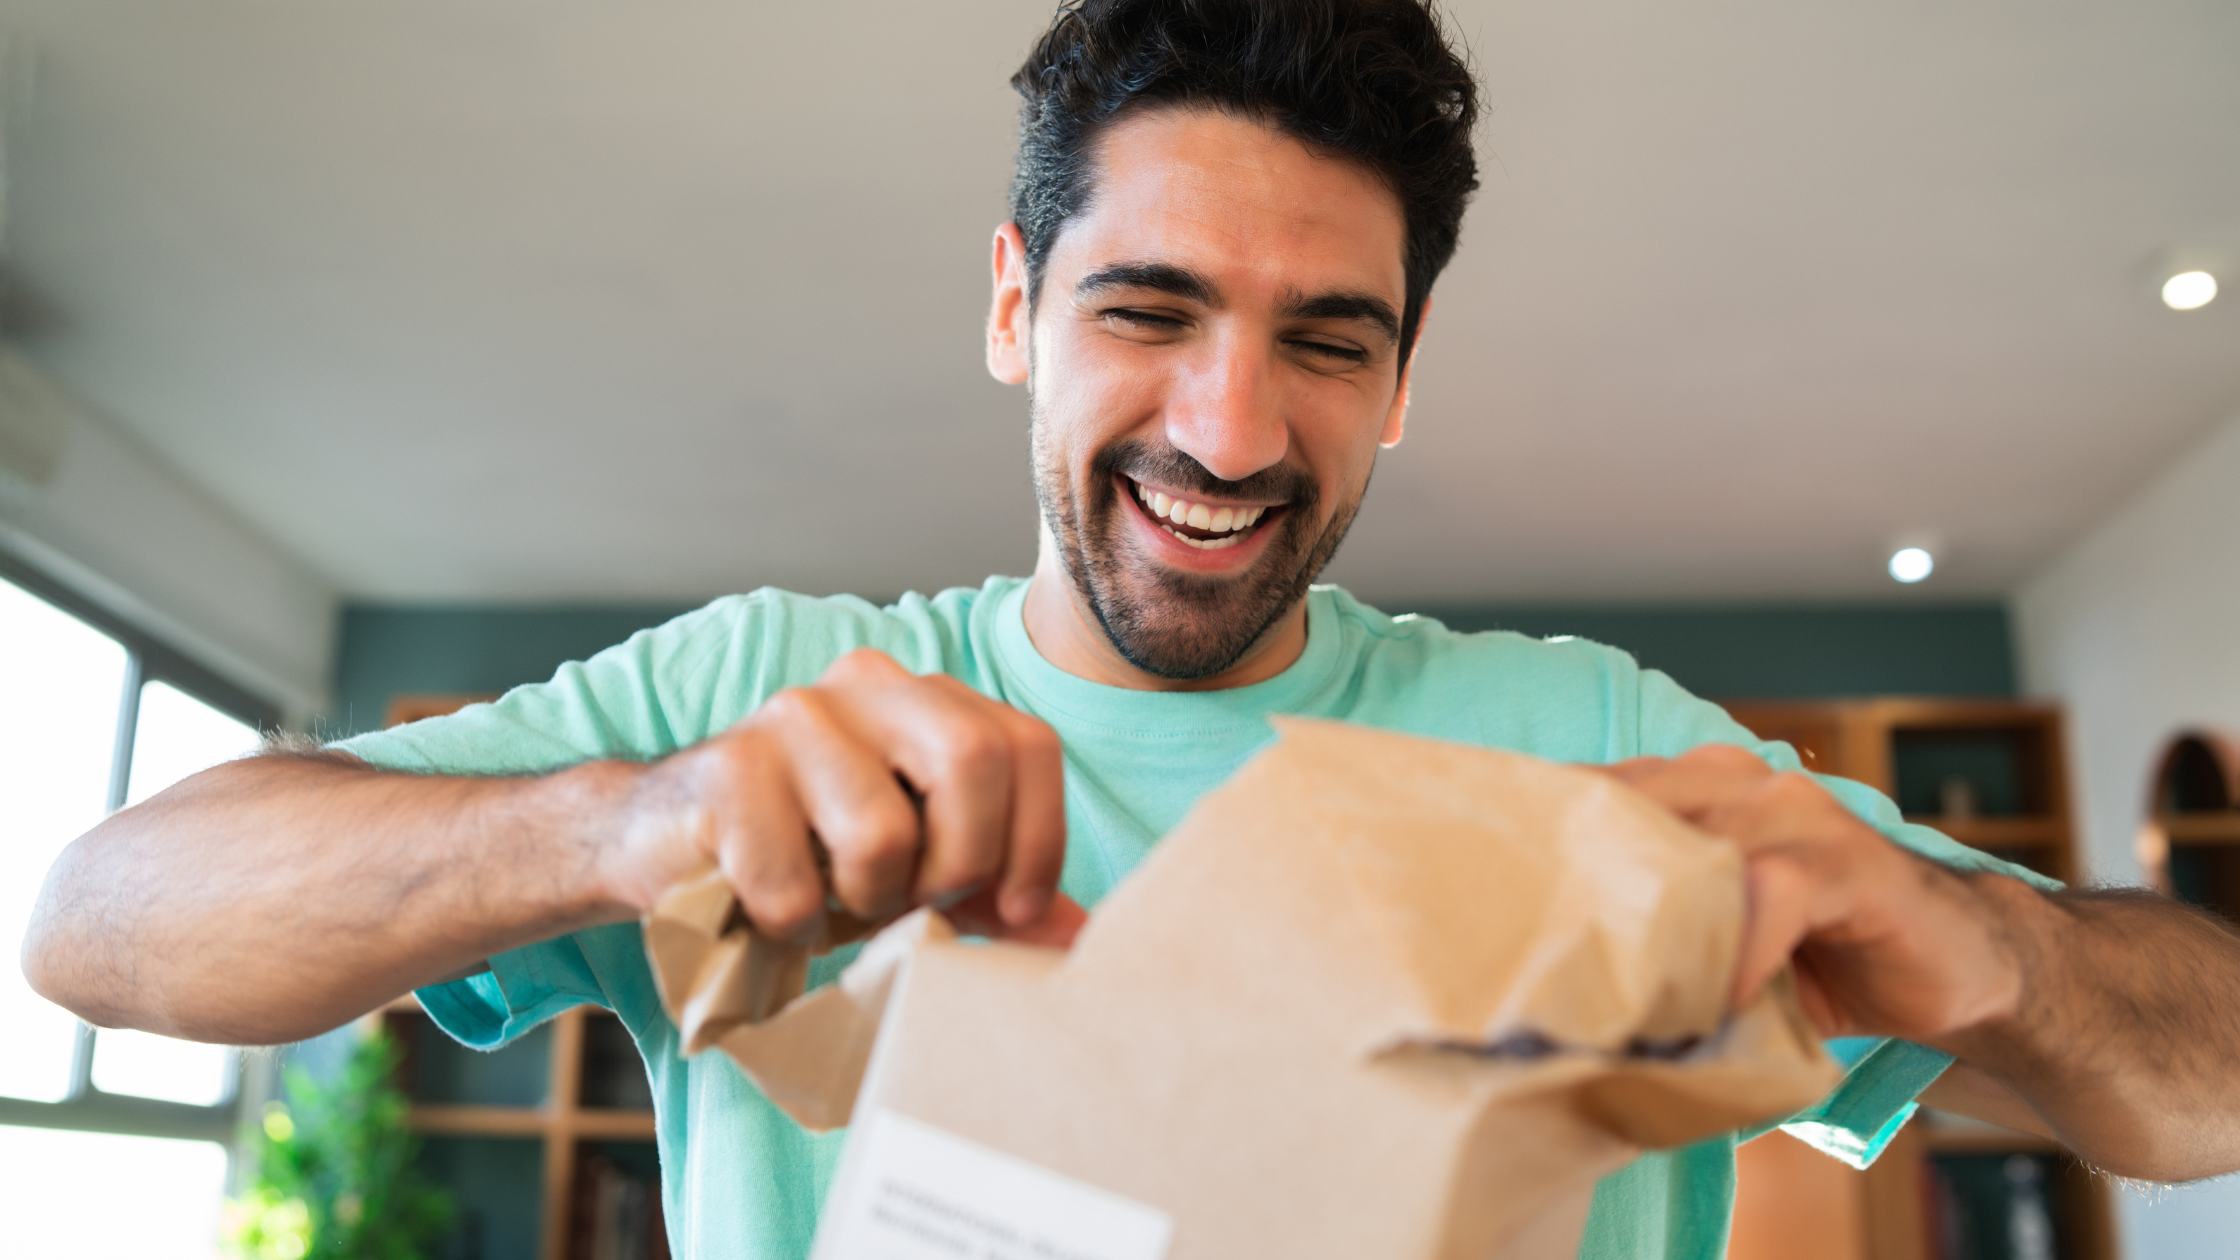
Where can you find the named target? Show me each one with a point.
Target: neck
(1069, 636)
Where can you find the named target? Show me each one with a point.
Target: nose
(1226, 413)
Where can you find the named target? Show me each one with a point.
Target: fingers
(1803, 852)
(761, 842)
(956, 751)
(1037, 852)
(1056, 929)
(866, 822)
(1781, 900)
(1060, 923)
(876, 789)
(988, 781)
(1696, 782)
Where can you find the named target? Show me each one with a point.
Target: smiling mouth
(1201, 525)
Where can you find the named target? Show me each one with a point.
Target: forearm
(2126, 1036)
(275, 897)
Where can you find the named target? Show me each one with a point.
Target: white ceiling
(473, 299)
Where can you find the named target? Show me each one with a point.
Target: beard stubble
(1179, 626)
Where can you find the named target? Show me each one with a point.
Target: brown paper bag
(1376, 996)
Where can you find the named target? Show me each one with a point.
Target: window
(98, 717)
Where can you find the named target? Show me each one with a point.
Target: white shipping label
(915, 1192)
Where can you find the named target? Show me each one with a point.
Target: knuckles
(1794, 794)
(795, 706)
(784, 908)
(934, 725)
(863, 665)
(1727, 759)
(975, 751)
(1035, 740)
(873, 837)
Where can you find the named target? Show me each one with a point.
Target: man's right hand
(881, 788)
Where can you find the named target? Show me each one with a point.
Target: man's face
(1212, 363)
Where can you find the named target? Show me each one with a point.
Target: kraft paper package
(1377, 995)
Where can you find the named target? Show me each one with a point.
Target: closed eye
(1143, 319)
(1324, 349)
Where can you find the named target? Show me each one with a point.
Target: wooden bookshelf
(561, 1124)
(570, 1113)
(1991, 774)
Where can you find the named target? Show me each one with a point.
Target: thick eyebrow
(1160, 277)
(1365, 307)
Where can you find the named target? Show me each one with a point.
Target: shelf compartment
(459, 1119)
(1986, 772)
(615, 1204)
(2218, 828)
(494, 1181)
(614, 1074)
(614, 1124)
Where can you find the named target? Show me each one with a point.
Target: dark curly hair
(1374, 80)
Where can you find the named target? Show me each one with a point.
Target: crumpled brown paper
(1368, 960)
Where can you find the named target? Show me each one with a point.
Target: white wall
(92, 509)
(2137, 630)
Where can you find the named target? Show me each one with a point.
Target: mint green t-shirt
(740, 1181)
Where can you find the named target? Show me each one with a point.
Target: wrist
(585, 809)
(2024, 930)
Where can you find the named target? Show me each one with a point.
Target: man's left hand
(2102, 1018)
(1885, 943)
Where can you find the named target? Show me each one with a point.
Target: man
(1227, 220)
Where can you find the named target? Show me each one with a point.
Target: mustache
(1162, 464)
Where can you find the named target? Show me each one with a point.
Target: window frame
(86, 1108)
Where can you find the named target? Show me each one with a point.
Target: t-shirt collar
(1024, 666)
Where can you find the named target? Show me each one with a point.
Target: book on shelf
(617, 1214)
(1991, 1206)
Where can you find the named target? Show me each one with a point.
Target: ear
(1008, 325)
(1396, 420)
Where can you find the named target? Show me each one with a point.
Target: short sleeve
(523, 988)
(1882, 1078)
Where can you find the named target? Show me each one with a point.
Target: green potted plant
(335, 1173)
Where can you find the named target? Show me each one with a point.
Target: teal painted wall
(1724, 651)
(1737, 652)
(412, 649)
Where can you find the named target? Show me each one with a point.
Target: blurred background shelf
(548, 1143)
(2190, 841)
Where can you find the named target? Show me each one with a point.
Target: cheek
(1093, 391)
(1338, 443)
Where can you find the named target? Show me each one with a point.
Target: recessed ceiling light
(1911, 564)
(2189, 290)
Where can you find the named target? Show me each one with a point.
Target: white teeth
(1209, 544)
(1199, 516)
